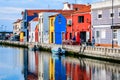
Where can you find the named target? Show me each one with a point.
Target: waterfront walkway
(101, 52)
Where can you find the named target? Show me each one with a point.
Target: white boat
(58, 51)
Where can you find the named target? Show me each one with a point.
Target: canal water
(23, 64)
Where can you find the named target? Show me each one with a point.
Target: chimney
(66, 6)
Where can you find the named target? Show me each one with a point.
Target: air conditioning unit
(69, 22)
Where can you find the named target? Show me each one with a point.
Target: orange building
(81, 24)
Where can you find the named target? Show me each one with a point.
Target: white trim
(105, 3)
(101, 26)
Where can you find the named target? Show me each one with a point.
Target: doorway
(83, 36)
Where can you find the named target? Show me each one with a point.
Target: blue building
(28, 15)
(60, 28)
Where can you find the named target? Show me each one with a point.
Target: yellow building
(51, 29)
(21, 36)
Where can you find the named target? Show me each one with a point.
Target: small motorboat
(58, 51)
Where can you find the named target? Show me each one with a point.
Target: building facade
(44, 26)
(103, 17)
(51, 29)
(81, 25)
(60, 28)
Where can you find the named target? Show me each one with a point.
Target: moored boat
(58, 51)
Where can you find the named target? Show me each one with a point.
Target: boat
(57, 51)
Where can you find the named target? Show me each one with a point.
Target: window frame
(110, 12)
(115, 34)
(99, 13)
(81, 19)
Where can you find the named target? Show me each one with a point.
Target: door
(83, 36)
(51, 37)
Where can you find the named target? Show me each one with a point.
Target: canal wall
(96, 52)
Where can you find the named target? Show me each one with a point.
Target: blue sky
(10, 10)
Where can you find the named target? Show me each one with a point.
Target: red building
(81, 24)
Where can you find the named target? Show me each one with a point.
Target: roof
(85, 9)
(32, 12)
(17, 21)
(64, 13)
(79, 6)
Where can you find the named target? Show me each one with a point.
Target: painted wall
(21, 36)
(100, 24)
(51, 29)
(32, 30)
(44, 26)
(37, 33)
(80, 28)
(106, 19)
(104, 36)
(69, 28)
(60, 28)
(32, 36)
(26, 20)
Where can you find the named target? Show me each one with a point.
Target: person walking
(93, 41)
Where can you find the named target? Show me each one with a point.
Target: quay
(96, 52)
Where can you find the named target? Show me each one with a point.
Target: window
(70, 35)
(69, 22)
(76, 9)
(103, 34)
(114, 34)
(59, 20)
(97, 34)
(80, 19)
(111, 13)
(99, 14)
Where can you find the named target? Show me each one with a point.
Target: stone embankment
(98, 52)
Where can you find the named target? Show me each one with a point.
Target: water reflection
(22, 64)
(10, 64)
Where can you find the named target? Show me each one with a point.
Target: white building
(104, 15)
(44, 26)
(17, 27)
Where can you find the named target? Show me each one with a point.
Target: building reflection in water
(22, 64)
(44, 66)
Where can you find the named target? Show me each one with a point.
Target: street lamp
(112, 26)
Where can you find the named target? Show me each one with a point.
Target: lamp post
(112, 26)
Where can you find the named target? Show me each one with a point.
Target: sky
(10, 10)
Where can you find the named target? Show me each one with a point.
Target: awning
(115, 27)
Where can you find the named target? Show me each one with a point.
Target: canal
(23, 64)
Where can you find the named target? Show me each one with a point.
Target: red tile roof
(18, 20)
(31, 12)
(79, 6)
(84, 9)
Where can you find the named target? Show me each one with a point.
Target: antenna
(75, 1)
(48, 6)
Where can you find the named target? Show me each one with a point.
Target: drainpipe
(112, 26)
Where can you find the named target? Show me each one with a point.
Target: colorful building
(81, 24)
(44, 26)
(60, 28)
(37, 33)
(103, 17)
(51, 29)
(32, 30)
(17, 26)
